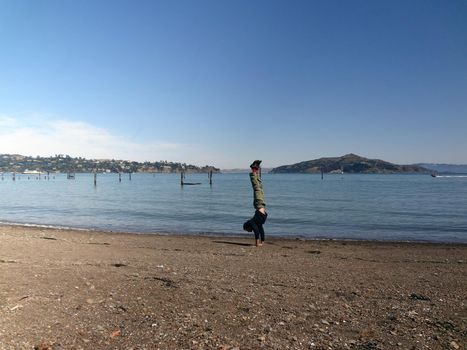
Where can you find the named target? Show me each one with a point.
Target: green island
(349, 163)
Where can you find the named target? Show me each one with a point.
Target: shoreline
(67, 289)
(228, 235)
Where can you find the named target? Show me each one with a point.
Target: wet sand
(64, 289)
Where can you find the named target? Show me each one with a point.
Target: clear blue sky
(224, 82)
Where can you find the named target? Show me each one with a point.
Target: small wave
(452, 176)
(55, 227)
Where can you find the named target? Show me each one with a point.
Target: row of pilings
(72, 176)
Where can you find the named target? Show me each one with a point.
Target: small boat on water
(32, 172)
(434, 174)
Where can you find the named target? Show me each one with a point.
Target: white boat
(32, 172)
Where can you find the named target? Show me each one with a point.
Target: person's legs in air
(257, 184)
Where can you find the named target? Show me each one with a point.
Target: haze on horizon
(223, 83)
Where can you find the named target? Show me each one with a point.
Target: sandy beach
(64, 289)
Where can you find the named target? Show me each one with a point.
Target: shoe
(256, 164)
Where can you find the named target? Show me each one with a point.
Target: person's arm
(254, 226)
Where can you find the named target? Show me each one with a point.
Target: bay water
(349, 206)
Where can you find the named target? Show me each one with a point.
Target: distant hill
(350, 163)
(445, 168)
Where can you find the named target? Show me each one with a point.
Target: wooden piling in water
(119, 177)
(95, 179)
(183, 183)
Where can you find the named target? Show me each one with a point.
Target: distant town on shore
(349, 163)
(64, 164)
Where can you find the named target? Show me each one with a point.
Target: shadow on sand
(234, 243)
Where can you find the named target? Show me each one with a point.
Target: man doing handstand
(256, 223)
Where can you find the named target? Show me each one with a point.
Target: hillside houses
(64, 163)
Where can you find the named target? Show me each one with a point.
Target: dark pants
(257, 222)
